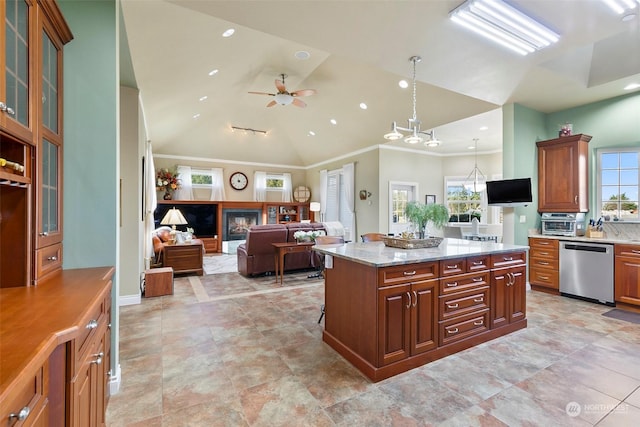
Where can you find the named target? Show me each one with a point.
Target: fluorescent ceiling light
(620, 6)
(632, 86)
(504, 25)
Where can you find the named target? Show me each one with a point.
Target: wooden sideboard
(55, 347)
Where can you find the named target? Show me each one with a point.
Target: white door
(400, 193)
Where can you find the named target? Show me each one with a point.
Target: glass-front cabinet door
(49, 152)
(16, 78)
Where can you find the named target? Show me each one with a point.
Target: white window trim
(206, 172)
(280, 176)
(598, 196)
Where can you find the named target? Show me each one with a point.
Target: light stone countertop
(378, 255)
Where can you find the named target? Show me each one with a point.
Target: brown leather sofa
(256, 255)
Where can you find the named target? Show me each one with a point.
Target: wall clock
(238, 181)
(301, 194)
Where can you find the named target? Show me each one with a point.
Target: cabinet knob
(52, 258)
(5, 109)
(92, 324)
(98, 357)
(44, 234)
(22, 415)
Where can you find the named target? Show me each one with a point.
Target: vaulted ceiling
(359, 50)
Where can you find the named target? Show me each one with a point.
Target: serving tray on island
(397, 242)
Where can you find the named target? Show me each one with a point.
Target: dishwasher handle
(586, 248)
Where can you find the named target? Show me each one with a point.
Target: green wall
(90, 135)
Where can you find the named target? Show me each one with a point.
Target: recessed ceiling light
(203, 98)
(312, 133)
(229, 32)
(333, 121)
(196, 116)
(484, 127)
(363, 105)
(213, 72)
(403, 84)
(632, 86)
(302, 54)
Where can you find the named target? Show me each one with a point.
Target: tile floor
(230, 351)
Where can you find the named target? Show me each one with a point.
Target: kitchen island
(390, 310)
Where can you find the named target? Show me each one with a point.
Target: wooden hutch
(55, 362)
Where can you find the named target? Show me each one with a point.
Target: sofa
(256, 255)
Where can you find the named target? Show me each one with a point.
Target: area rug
(628, 316)
(218, 264)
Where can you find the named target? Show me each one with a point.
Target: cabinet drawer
(459, 328)
(88, 329)
(408, 273)
(476, 263)
(463, 282)
(48, 259)
(544, 244)
(183, 252)
(508, 259)
(464, 302)
(544, 263)
(545, 253)
(449, 267)
(27, 398)
(627, 250)
(544, 277)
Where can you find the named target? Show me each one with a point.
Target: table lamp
(314, 207)
(173, 217)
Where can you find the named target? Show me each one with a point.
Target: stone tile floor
(225, 350)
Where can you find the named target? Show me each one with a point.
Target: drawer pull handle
(635, 251)
(92, 324)
(477, 263)
(98, 357)
(409, 273)
(22, 415)
(452, 305)
(544, 253)
(415, 298)
(544, 277)
(452, 331)
(409, 299)
(477, 279)
(508, 258)
(452, 285)
(451, 267)
(52, 258)
(543, 263)
(478, 323)
(481, 299)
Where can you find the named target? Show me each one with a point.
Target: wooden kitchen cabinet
(544, 263)
(627, 274)
(509, 287)
(563, 174)
(31, 100)
(406, 320)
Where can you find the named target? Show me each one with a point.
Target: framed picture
(430, 199)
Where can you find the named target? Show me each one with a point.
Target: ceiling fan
(284, 97)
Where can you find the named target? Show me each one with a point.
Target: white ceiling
(359, 51)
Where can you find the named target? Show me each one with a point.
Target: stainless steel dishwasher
(586, 271)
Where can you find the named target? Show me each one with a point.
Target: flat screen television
(200, 217)
(509, 192)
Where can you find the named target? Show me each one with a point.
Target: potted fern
(421, 215)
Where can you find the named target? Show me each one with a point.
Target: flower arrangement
(307, 236)
(167, 180)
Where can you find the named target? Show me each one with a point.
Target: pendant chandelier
(476, 181)
(413, 124)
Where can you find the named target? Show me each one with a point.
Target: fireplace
(236, 222)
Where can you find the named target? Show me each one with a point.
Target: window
(464, 204)
(337, 209)
(618, 182)
(275, 182)
(400, 193)
(201, 178)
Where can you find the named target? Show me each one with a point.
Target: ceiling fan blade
(272, 103)
(280, 86)
(262, 93)
(304, 92)
(299, 103)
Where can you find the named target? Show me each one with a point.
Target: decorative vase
(167, 195)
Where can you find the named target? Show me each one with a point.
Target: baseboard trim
(114, 382)
(129, 300)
